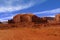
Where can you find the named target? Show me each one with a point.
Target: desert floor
(46, 33)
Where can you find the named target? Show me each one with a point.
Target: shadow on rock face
(23, 18)
(28, 18)
(10, 21)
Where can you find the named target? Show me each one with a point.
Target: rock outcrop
(57, 17)
(28, 18)
(24, 18)
(10, 21)
(0, 22)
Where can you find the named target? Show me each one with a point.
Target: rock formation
(57, 17)
(23, 18)
(49, 19)
(42, 20)
(10, 21)
(28, 18)
(0, 22)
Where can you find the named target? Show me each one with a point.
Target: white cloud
(6, 18)
(50, 16)
(7, 6)
(13, 5)
(49, 11)
(9, 9)
(2, 20)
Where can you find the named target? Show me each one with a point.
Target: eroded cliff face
(57, 18)
(22, 18)
(28, 18)
(31, 20)
(30, 27)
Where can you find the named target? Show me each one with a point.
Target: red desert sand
(30, 27)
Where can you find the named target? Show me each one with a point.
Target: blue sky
(9, 8)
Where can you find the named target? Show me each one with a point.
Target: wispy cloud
(49, 11)
(1, 20)
(9, 9)
(14, 5)
(6, 18)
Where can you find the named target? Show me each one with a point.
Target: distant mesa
(57, 17)
(30, 20)
(20, 18)
(26, 18)
(23, 18)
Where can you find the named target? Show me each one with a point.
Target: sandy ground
(47, 33)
